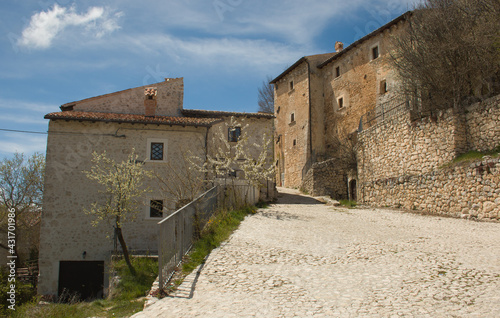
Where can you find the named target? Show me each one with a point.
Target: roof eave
(402, 17)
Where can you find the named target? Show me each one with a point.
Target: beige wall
(66, 229)
(170, 96)
(358, 85)
(292, 158)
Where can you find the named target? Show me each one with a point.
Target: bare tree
(123, 188)
(21, 191)
(266, 96)
(448, 54)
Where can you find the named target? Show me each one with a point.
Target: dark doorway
(83, 280)
(352, 190)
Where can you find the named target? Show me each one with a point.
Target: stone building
(320, 102)
(151, 120)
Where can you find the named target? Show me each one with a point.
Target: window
(292, 117)
(340, 101)
(375, 52)
(156, 208)
(278, 110)
(291, 85)
(294, 142)
(383, 87)
(337, 71)
(233, 134)
(156, 152)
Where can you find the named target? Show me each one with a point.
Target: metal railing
(177, 232)
(381, 112)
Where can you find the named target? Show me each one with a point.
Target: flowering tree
(233, 151)
(21, 189)
(123, 187)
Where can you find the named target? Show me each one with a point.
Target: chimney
(339, 46)
(150, 101)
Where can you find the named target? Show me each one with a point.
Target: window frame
(150, 208)
(150, 142)
(231, 136)
(373, 48)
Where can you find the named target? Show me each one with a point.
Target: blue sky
(54, 52)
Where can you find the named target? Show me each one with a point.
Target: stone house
(149, 119)
(320, 102)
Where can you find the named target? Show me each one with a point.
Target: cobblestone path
(299, 258)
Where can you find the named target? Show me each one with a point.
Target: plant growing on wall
(123, 187)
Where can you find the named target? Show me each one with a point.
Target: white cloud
(45, 26)
(215, 52)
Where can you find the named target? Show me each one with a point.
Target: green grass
(127, 299)
(217, 230)
(348, 203)
(473, 156)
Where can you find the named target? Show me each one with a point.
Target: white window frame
(165, 148)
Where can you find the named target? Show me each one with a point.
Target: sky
(55, 52)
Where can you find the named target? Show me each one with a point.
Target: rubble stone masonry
(406, 163)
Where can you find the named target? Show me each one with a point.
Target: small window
(337, 71)
(292, 117)
(278, 110)
(156, 208)
(156, 151)
(340, 101)
(291, 85)
(375, 52)
(383, 87)
(294, 142)
(233, 134)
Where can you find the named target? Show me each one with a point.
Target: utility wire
(24, 131)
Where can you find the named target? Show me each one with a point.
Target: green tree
(21, 190)
(123, 187)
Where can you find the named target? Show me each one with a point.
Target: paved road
(300, 258)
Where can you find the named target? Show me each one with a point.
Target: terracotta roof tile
(130, 118)
(213, 113)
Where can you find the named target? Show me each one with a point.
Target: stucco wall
(170, 94)
(66, 229)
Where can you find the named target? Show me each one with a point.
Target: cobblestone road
(299, 258)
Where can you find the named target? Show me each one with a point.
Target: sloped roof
(402, 17)
(302, 59)
(213, 113)
(131, 118)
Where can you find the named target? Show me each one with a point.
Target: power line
(24, 131)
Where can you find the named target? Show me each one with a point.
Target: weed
(348, 203)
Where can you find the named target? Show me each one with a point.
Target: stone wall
(327, 178)
(170, 95)
(483, 125)
(406, 163)
(66, 230)
(467, 190)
